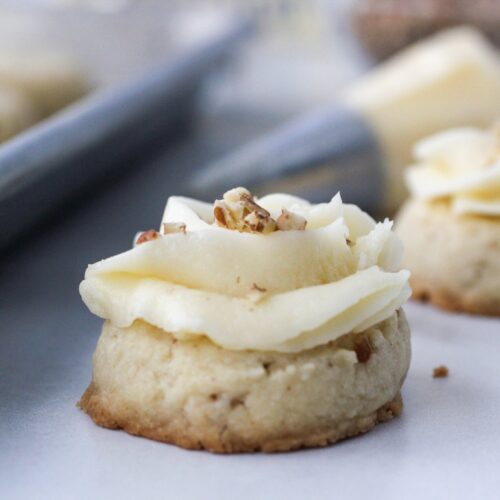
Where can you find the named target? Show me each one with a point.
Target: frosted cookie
(451, 224)
(16, 112)
(247, 325)
(50, 79)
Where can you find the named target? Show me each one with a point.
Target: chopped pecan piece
(259, 222)
(363, 348)
(174, 227)
(221, 214)
(238, 210)
(289, 221)
(147, 236)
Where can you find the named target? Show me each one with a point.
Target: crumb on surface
(440, 371)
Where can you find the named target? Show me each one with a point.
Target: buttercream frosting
(284, 291)
(461, 166)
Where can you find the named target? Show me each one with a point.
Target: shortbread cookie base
(199, 396)
(454, 259)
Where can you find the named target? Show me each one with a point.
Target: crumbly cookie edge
(92, 404)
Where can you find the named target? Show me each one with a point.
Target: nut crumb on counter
(440, 371)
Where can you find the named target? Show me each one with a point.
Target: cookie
(199, 396)
(454, 258)
(251, 325)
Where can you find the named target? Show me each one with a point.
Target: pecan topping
(174, 227)
(220, 213)
(363, 348)
(238, 210)
(259, 222)
(440, 371)
(147, 236)
(288, 221)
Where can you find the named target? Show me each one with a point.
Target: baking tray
(142, 99)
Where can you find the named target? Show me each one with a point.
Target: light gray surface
(446, 445)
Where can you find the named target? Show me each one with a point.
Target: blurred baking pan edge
(48, 165)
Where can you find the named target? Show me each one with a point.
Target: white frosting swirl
(462, 166)
(315, 285)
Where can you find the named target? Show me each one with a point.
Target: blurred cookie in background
(16, 112)
(34, 84)
(386, 26)
(51, 79)
(450, 226)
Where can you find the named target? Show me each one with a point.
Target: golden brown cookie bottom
(451, 301)
(221, 443)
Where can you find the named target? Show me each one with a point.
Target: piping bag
(361, 143)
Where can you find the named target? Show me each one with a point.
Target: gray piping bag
(361, 144)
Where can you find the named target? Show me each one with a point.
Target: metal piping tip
(313, 156)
